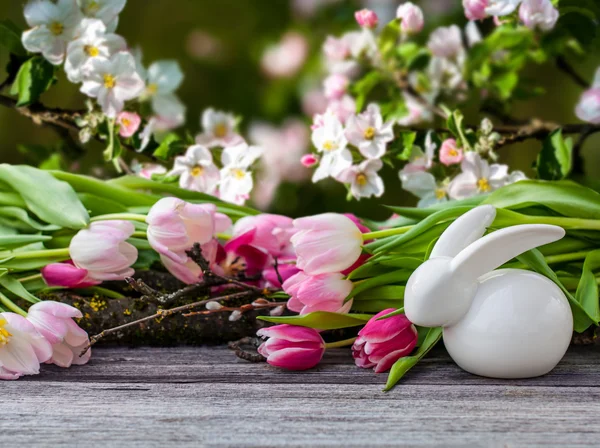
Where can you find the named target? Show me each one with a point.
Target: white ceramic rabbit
(508, 323)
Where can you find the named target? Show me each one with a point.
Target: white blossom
(112, 82)
(236, 181)
(196, 170)
(501, 7)
(329, 139)
(424, 185)
(53, 26)
(105, 10)
(369, 133)
(363, 179)
(163, 79)
(446, 42)
(421, 160)
(93, 42)
(477, 177)
(219, 129)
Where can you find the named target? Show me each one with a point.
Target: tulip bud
(383, 342)
(291, 347)
(324, 292)
(411, 16)
(366, 18)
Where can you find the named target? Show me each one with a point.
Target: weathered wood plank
(190, 396)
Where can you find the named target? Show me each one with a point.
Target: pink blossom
(103, 251)
(411, 18)
(67, 275)
(175, 225)
(326, 243)
(286, 58)
(336, 49)
(128, 122)
(323, 292)
(342, 108)
(588, 107)
(272, 233)
(291, 347)
(335, 86)
(475, 9)
(446, 42)
(309, 160)
(22, 348)
(146, 170)
(54, 321)
(538, 14)
(449, 153)
(366, 18)
(383, 342)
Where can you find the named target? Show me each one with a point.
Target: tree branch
(563, 65)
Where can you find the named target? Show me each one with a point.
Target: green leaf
(363, 87)
(582, 319)
(389, 37)
(587, 289)
(555, 160)
(12, 241)
(321, 320)
(20, 219)
(96, 205)
(113, 149)
(389, 292)
(389, 278)
(34, 78)
(145, 259)
(10, 37)
(564, 197)
(169, 146)
(505, 83)
(51, 200)
(408, 145)
(579, 25)
(422, 213)
(15, 286)
(403, 365)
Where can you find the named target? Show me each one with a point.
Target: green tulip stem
(384, 233)
(58, 253)
(5, 301)
(121, 216)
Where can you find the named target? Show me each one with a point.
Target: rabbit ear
(466, 229)
(495, 249)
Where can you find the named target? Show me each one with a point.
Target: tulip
(54, 321)
(538, 14)
(67, 275)
(326, 243)
(175, 225)
(323, 292)
(383, 342)
(241, 256)
(449, 153)
(272, 233)
(291, 347)
(411, 16)
(475, 9)
(285, 271)
(102, 250)
(22, 348)
(129, 123)
(366, 18)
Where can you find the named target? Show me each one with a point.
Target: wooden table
(190, 396)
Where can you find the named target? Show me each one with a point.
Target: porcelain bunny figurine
(508, 323)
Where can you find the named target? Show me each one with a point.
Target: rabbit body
(518, 326)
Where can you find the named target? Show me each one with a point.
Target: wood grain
(190, 396)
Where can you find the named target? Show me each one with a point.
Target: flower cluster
(533, 14)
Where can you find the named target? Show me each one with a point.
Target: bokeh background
(219, 45)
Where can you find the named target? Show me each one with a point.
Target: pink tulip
(272, 233)
(588, 107)
(366, 18)
(67, 275)
(449, 153)
(285, 270)
(175, 225)
(22, 348)
(411, 18)
(241, 256)
(335, 86)
(102, 250)
(326, 243)
(323, 292)
(54, 321)
(309, 160)
(383, 342)
(475, 9)
(129, 123)
(291, 347)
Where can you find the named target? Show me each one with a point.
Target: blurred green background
(219, 44)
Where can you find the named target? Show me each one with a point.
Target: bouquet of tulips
(330, 271)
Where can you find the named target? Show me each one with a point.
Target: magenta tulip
(291, 347)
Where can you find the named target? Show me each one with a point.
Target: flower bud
(475, 9)
(383, 342)
(366, 18)
(309, 160)
(411, 18)
(291, 347)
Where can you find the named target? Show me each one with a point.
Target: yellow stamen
(109, 81)
(453, 152)
(56, 28)
(220, 130)
(361, 180)
(91, 51)
(238, 173)
(483, 185)
(92, 8)
(197, 171)
(4, 334)
(369, 133)
(125, 122)
(330, 145)
(151, 89)
(440, 193)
